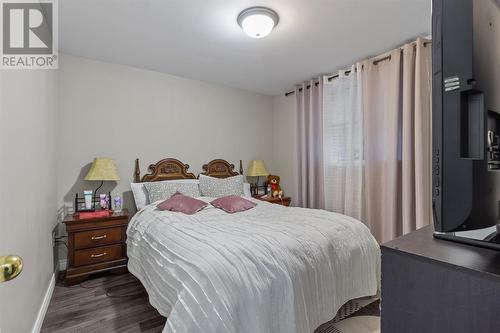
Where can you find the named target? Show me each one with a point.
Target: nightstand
(284, 201)
(96, 245)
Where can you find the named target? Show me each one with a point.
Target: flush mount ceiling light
(258, 22)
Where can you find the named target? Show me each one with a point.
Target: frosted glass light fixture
(258, 22)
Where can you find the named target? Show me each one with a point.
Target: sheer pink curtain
(309, 153)
(343, 143)
(397, 138)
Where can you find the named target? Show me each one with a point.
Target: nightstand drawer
(99, 237)
(97, 255)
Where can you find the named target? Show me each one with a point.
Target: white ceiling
(200, 39)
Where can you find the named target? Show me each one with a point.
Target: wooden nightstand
(284, 201)
(96, 245)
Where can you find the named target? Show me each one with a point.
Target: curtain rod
(347, 72)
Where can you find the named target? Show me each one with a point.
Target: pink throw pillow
(179, 202)
(233, 204)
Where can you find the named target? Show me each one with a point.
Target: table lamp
(257, 168)
(102, 169)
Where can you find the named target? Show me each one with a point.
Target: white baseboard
(45, 304)
(61, 265)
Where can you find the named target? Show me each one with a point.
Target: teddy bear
(274, 182)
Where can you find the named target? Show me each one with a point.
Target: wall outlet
(68, 207)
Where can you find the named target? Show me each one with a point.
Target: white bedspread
(269, 269)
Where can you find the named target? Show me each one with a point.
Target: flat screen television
(466, 121)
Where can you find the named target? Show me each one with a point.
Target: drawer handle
(98, 237)
(98, 255)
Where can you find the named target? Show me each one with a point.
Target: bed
(268, 269)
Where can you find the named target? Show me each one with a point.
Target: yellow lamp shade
(103, 169)
(257, 168)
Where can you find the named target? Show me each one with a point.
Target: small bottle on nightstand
(118, 203)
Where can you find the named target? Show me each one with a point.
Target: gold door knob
(10, 267)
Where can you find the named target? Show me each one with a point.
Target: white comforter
(269, 269)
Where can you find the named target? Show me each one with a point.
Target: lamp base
(256, 187)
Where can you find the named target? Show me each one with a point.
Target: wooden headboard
(171, 169)
(166, 169)
(220, 168)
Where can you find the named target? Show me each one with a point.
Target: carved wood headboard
(220, 168)
(166, 169)
(171, 169)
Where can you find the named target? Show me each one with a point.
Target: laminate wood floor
(105, 304)
(113, 303)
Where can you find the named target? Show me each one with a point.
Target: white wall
(120, 112)
(123, 113)
(28, 193)
(284, 142)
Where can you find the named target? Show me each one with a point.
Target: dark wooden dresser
(284, 201)
(431, 285)
(96, 245)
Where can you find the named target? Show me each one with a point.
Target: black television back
(466, 122)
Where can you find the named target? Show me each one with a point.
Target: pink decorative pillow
(179, 202)
(233, 204)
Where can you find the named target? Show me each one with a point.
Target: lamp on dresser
(257, 168)
(102, 169)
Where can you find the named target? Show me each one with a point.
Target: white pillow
(165, 189)
(140, 192)
(140, 195)
(246, 190)
(221, 187)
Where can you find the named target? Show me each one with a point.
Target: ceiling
(200, 39)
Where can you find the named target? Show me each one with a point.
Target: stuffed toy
(274, 182)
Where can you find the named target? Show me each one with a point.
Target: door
(28, 213)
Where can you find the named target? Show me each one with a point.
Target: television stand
(431, 285)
